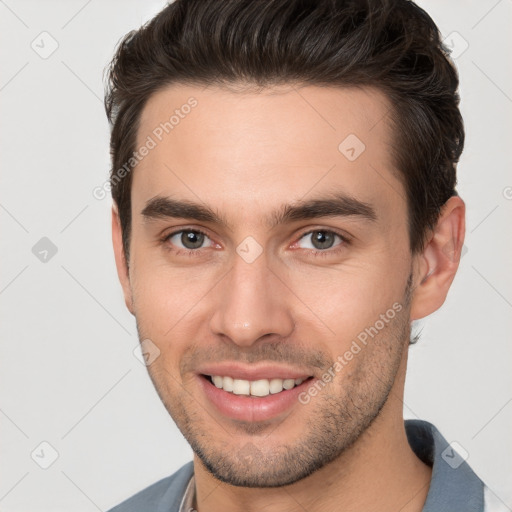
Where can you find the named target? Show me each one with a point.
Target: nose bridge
(251, 302)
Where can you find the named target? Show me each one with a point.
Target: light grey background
(69, 376)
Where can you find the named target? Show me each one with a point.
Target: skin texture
(245, 155)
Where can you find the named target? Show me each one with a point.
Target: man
(284, 207)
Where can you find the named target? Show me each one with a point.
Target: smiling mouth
(254, 388)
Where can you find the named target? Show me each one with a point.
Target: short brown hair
(392, 45)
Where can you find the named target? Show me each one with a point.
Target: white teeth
(217, 380)
(241, 387)
(276, 385)
(227, 383)
(288, 383)
(261, 387)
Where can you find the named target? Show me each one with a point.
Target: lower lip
(250, 408)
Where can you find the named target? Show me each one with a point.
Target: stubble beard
(245, 455)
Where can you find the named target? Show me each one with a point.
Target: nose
(252, 302)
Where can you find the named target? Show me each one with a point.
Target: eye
(188, 239)
(319, 240)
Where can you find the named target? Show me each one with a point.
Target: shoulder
(164, 495)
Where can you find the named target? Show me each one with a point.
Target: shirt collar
(189, 496)
(454, 485)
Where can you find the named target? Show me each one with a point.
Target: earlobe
(438, 263)
(121, 264)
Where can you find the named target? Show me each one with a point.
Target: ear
(436, 266)
(122, 267)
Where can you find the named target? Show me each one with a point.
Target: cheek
(353, 294)
(163, 298)
(155, 266)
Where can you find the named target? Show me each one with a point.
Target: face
(269, 248)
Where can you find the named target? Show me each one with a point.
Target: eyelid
(178, 229)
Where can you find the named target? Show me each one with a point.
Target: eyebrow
(335, 205)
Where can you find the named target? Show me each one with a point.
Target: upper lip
(253, 372)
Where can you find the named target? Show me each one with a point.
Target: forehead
(241, 151)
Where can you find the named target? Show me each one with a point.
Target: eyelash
(197, 252)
